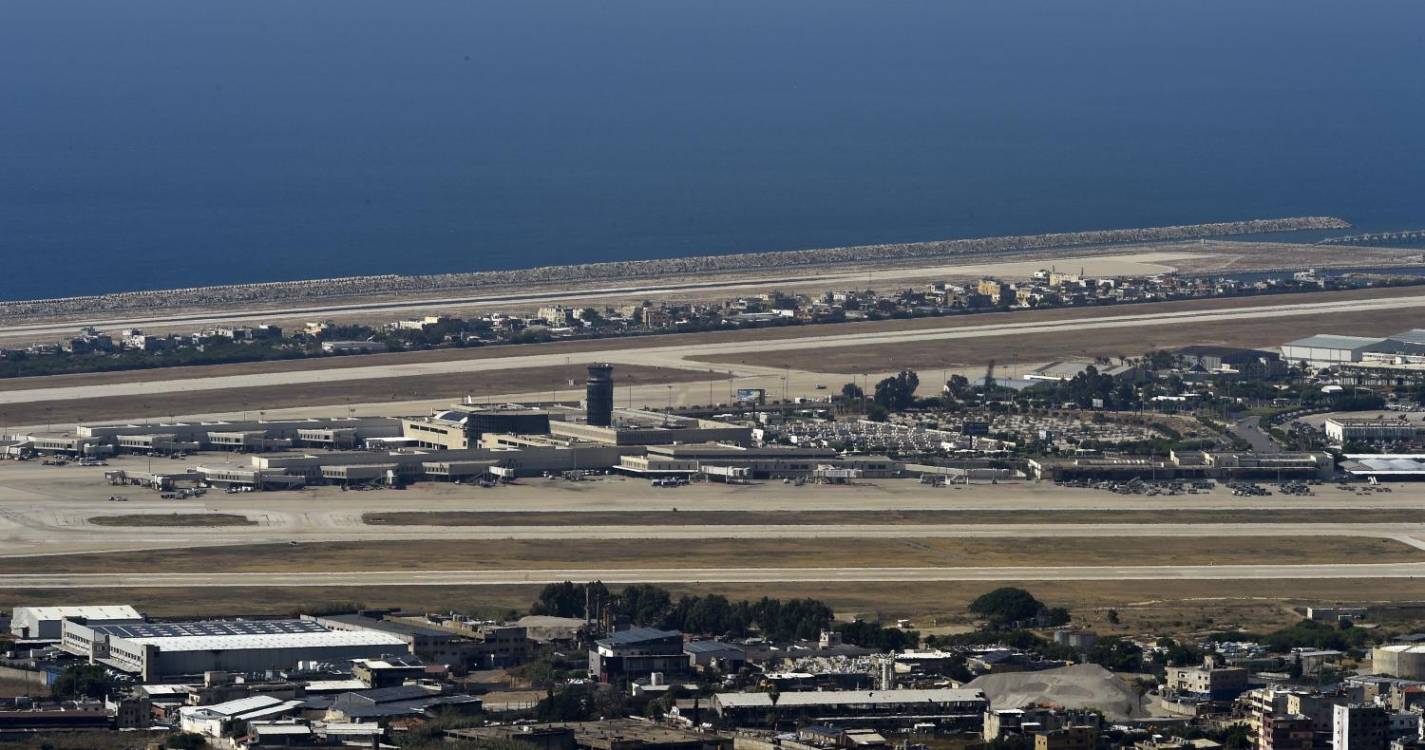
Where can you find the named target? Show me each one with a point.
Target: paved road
(678, 356)
(1250, 429)
(711, 575)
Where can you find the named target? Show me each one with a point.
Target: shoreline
(336, 287)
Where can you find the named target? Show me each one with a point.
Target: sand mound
(1079, 686)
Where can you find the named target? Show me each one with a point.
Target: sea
(164, 143)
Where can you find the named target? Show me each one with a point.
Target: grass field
(514, 554)
(174, 519)
(878, 518)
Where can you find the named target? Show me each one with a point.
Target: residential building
(1359, 727)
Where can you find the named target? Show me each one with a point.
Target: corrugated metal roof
(1331, 341)
(322, 639)
(95, 612)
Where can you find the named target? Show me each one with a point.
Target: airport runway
(679, 356)
(1142, 263)
(710, 575)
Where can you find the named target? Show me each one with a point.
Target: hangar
(168, 649)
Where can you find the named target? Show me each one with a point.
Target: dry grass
(1168, 607)
(516, 554)
(405, 388)
(1085, 345)
(173, 519)
(878, 518)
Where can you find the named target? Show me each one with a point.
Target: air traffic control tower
(599, 396)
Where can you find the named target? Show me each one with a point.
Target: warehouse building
(1385, 466)
(957, 708)
(1328, 350)
(157, 650)
(47, 623)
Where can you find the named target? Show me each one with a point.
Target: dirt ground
(173, 519)
(406, 388)
(693, 553)
(879, 518)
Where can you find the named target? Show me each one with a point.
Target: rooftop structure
(154, 650)
(46, 623)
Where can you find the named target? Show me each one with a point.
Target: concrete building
(244, 435)
(221, 719)
(429, 643)
(1068, 738)
(1358, 727)
(1207, 681)
(1286, 732)
(1079, 640)
(461, 427)
(1403, 660)
(1340, 430)
(719, 655)
(157, 650)
(47, 623)
(637, 652)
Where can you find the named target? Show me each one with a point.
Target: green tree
(1007, 604)
(958, 387)
(852, 392)
(897, 393)
(82, 681)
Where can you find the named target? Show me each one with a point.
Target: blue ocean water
(160, 143)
